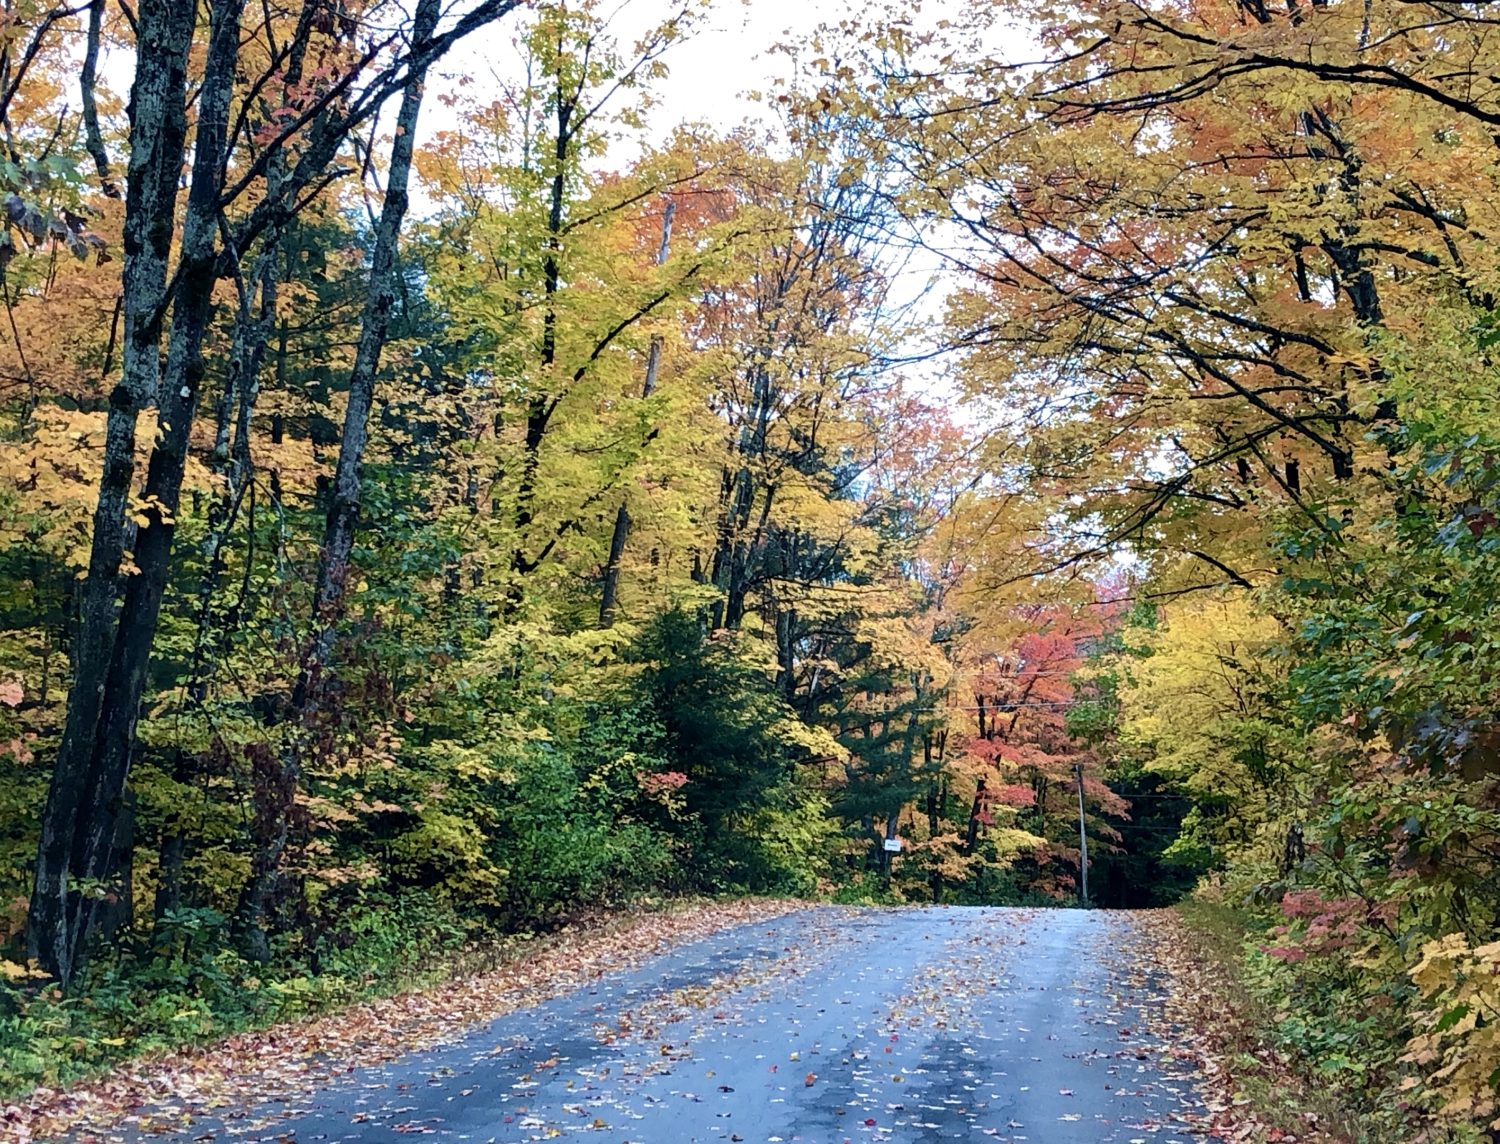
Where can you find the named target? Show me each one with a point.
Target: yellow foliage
(1199, 677)
(1193, 709)
(15, 972)
(818, 742)
(1457, 1045)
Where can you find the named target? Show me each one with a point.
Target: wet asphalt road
(829, 1025)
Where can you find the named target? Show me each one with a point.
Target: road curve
(828, 1025)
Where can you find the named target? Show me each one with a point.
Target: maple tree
(372, 571)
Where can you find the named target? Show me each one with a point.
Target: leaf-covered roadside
(250, 1069)
(1253, 1090)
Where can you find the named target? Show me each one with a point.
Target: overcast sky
(711, 71)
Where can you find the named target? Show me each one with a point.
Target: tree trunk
(621, 533)
(87, 82)
(888, 856)
(233, 466)
(275, 804)
(971, 838)
(343, 512)
(543, 404)
(183, 377)
(158, 129)
(172, 854)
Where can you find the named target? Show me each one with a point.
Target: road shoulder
(286, 1060)
(1252, 1093)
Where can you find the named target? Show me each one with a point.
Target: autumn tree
(332, 82)
(1230, 293)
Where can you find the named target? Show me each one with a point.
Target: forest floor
(747, 1021)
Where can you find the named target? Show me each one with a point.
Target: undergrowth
(1308, 1043)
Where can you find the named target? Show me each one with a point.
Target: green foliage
(645, 591)
(756, 824)
(560, 853)
(866, 890)
(187, 984)
(1344, 1024)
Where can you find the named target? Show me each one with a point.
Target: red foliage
(661, 782)
(1320, 925)
(1023, 688)
(1014, 794)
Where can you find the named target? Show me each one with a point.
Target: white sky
(710, 71)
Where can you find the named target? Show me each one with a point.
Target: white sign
(893, 845)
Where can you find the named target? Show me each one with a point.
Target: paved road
(832, 1025)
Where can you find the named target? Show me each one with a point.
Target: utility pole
(1083, 843)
